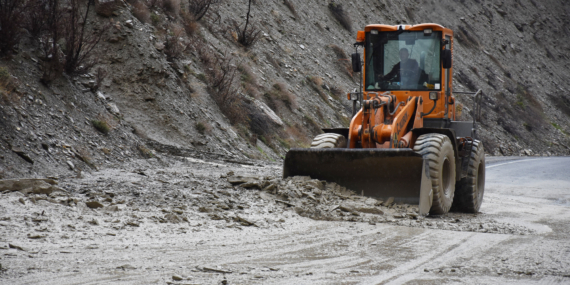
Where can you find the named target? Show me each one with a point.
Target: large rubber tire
(438, 151)
(470, 189)
(329, 140)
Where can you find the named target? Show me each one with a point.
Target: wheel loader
(403, 140)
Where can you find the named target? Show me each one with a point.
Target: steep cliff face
(166, 86)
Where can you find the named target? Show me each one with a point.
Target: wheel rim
(445, 177)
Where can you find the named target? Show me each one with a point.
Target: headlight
(433, 95)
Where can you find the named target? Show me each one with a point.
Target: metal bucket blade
(378, 173)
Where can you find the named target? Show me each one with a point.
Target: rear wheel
(469, 190)
(437, 150)
(329, 140)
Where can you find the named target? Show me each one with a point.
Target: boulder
(27, 186)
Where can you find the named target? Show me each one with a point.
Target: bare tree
(11, 16)
(79, 45)
(249, 34)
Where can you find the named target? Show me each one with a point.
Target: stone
(388, 202)
(22, 154)
(17, 247)
(113, 208)
(101, 96)
(177, 277)
(370, 210)
(112, 107)
(316, 184)
(70, 164)
(126, 267)
(94, 204)
(26, 186)
(129, 24)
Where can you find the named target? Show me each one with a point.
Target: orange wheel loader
(404, 141)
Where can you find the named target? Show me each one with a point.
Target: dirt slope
(293, 80)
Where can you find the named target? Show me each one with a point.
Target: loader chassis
(404, 141)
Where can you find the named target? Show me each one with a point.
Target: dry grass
(291, 7)
(173, 48)
(144, 151)
(83, 154)
(189, 23)
(341, 16)
(342, 61)
(249, 81)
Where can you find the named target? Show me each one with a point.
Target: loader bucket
(377, 173)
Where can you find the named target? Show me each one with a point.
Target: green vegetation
(200, 127)
(555, 125)
(155, 18)
(101, 126)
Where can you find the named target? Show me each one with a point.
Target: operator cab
(403, 60)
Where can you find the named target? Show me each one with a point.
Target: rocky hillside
(165, 78)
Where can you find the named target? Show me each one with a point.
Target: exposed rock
(94, 204)
(26, 186)
(112, 107)
(22, 154)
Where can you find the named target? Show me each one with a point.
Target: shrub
(141, 12)
(171, 6)
(101, 126)
(189, 23)
(200, 127)
(281, 92)
(145, 152)
(220, 77)
(340, 15)
(199, 8)
(100, 75)
(106, 8)
(154, 3)
(172, 47)
(155, 18)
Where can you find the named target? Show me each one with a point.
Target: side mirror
(356, 63)
(446, 58)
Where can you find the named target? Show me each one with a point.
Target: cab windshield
(403, 60)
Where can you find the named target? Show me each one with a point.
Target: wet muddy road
(157, 230)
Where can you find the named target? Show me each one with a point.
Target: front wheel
(437, 150)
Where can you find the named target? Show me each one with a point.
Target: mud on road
(191, 220)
